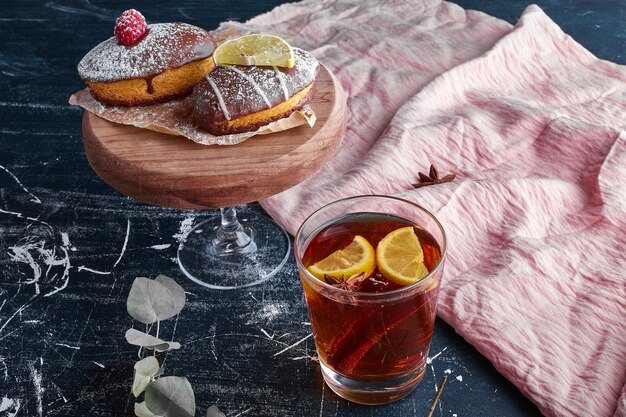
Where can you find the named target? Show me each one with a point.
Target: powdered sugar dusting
(166, 45)
(248, 89)
(253, 83)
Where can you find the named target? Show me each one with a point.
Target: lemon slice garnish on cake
(400, 257)
(256, 49)
(356, 258)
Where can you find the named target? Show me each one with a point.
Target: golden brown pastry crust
(166, 63)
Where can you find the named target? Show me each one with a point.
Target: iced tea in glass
(372, 328)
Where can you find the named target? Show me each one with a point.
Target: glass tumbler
(372, 344)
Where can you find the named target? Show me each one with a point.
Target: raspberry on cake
(147, 64)
(239, 98)
(130, 27)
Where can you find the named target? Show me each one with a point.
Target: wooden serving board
(173, 171)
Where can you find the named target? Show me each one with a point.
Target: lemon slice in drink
(400, 257)
(356, 258)
(255, 49)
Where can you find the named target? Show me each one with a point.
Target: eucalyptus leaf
(171, 396)
(213, 411)
(142, 410)
(137, 338)
(149, 301)
(159, 372)
(178, 293)
(145, 369)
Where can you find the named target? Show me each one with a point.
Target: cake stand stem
(231, 236)
(231, 251)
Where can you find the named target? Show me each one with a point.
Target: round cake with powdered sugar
(149, 64)
(236, 98)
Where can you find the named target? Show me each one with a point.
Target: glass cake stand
(227, 250)
(230, 251)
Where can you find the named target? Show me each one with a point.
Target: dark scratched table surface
(70, 247)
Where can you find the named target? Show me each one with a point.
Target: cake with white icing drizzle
(235, 99)
(165, 63)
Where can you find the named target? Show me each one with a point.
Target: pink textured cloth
(532, 124)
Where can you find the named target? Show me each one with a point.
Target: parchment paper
(174, 118)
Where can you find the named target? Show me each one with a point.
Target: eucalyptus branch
(150, 301)
(157, 336)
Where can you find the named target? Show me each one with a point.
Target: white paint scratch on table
(185, 227)
(6, 370)
(429, 361)
(119, 258)
(161, 247)
(36, 379)
(293, 345)
(10, 405)
(432, 358)
(267, 334)
(322, 400)
(45, 106)
(34, 198)
(243, 412)
(309, 357)
(18, 311)
(68, 346)
(88, 11)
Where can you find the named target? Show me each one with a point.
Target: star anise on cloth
(352, 283)
(433, 178)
